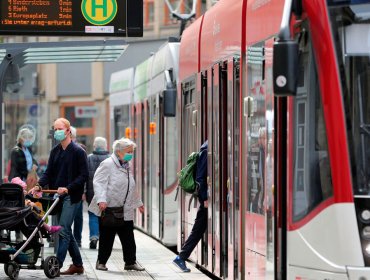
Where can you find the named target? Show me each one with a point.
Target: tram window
(188, 92)
(257, 142)
(312, 175)
(121, 120)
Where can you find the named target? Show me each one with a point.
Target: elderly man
(99, 154)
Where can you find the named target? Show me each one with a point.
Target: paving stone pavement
(153, 256)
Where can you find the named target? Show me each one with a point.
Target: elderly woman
(114, 188)
(22, 160)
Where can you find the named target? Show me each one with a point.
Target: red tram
(280, 90)
(287, 176)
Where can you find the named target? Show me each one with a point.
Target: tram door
(202, 79)
(154, 165)
(232, 183)
(138, 135)
(189, 144)
(217, 168)
(255, 152)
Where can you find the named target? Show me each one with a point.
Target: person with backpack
(200, 223)
(99, 154)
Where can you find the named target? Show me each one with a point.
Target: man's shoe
(73, 270)
(180, 263)
(93, 244)
(135, 266)
(100, 266)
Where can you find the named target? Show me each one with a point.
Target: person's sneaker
(134, 266)
(100, 266)
(54, 229)
(73, 269)
(93, 244)
(180, 263)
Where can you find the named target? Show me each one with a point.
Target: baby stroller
(14, 215)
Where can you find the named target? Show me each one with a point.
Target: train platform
(153, 256)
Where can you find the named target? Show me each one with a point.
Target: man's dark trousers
(199, 227)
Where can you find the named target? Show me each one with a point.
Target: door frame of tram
(138, 135)
(217, 168)
(188, 144)
(146, 163)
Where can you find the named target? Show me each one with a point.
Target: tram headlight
(365, 216)
(367, 249)
(366, 235)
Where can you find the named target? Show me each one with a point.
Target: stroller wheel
(51, 267)
(12, 270)
(6, 269)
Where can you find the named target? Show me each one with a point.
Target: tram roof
(63, 52)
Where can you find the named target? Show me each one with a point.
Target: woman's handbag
(112, 217)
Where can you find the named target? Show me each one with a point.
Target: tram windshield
(351, 32)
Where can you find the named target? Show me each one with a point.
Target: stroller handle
(49, 191)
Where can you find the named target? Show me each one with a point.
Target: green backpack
(187, 174)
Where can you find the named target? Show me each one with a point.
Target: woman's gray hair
(25, 133)
(100, 143)
(122, 144)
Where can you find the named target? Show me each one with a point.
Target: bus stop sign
(72, 17)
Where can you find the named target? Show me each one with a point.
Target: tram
(140, 104)
(280, 90)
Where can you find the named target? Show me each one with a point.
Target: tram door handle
(194, 118)
(248, 106)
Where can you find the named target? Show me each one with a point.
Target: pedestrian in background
(21, 156)
(114, 186)
(22, 162)
(67, 172)
(94, 159)
(200, 224)
(78, 221)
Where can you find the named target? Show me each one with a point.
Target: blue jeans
(67, 241)
(77, 223)
(93, 226)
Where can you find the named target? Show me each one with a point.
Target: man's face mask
(59, 135)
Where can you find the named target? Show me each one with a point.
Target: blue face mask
(127, 157)
(27, 143)
(59, 135)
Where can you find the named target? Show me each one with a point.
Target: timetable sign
(72, 17)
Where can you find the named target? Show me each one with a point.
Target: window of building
(148, 13)
(85, 125)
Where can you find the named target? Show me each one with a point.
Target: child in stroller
(35, 206)
(15, 215)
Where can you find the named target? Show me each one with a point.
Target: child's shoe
(54, 229)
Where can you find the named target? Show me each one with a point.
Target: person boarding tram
(200, 224)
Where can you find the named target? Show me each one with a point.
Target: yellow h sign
(99, 12)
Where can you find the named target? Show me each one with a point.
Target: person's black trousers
(126, 236)
(199, 227)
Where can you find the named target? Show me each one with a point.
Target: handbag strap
(128, 187)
